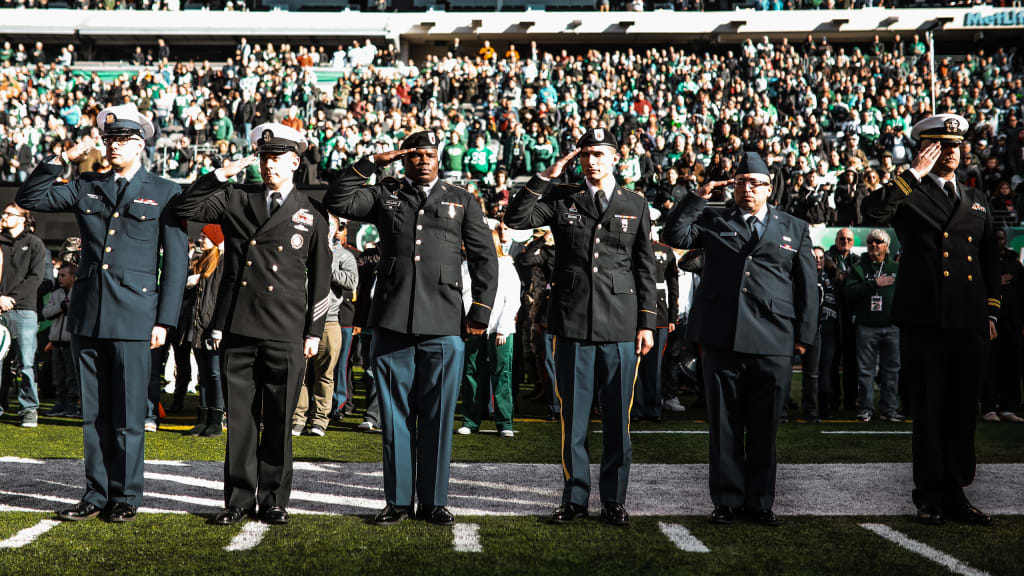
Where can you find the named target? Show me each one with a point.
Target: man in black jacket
(25, 264)
(602, 312)
(947, 305)
(270, 313)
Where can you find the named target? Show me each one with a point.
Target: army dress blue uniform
(122, 290)
(757, 298)
(648, 393)
(417, 316)
(602, 292)
(273, 296)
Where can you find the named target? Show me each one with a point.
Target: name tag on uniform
(726, 234)
(392, 203)
(572, 217)
(94, 196)
(787, 239)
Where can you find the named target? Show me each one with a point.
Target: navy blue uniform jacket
(753, 299)
(124, 286)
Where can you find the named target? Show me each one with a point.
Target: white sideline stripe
(502, 486)
(682, 538)
(467, 538)
(632, 432)
(28, 535)
(249, 538)
(6, 508)
(17, 460)
(46, 497)
(903, 541)
(186, 480)
(864, 432)
(167, 463)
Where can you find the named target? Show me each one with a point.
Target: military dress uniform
(417, 316)
(273, 296)
(122, 290)
(666, 276)
(602, 292)
(757, 298)
(947, 290)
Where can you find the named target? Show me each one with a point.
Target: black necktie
(122, 185)
(421, 193)
(951, 193)
(275, 203)
(600, 201)
(752, 225)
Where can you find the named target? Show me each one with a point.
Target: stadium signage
(1003, 18)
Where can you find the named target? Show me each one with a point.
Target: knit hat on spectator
(273, 139)
(597, 137)
(214, 233)
(124, 120)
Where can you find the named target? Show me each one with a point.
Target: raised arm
(349, 195)
(533, 206)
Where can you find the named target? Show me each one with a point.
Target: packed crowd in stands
(832, 122)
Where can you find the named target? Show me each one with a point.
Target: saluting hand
(229, 169)
(76, 151)
(157, 337)
(926, 158)
(644, 341)
(389, 157)
(709, 187)
(556, 169)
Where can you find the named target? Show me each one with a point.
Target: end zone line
(466, 538)
(682, 538)
(29, 535)
(250, 537)
(921, 549)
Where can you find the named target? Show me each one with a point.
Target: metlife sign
(990, 19)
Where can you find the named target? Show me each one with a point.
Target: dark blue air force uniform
(123, 288)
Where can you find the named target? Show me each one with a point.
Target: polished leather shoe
(275, 515)
(81, 511)
(930, 514)
(121, 512)
(615, 514)
(567, 513)
(230, 515)
(765, 517)
(436, 515)
(391, 515)
(723, 515)
(968, 514)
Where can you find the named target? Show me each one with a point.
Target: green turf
(174, 544)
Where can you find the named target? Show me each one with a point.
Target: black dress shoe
(723, 515)
(567, 513)
(81, 511)
(968, 514)
(615, 514)
(391, 515)
(436, 515)
(230, 515)
(275, 515)
(121, 512)
(765, 517)
(930, 514)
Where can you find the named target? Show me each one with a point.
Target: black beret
(751, 163)
(597, 137)
(424, 139)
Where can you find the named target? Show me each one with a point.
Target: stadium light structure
(929, 32)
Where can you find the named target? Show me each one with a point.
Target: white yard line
(29, 535)
(632, 432)
(17, 460)
(905, 542)
(682, 538)
(249, 538)
(467, 538)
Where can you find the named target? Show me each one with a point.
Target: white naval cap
(943, 127)
(124, 120)
(274, 138)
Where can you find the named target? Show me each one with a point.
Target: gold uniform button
(248, 262)
(252, 242)
(746, 273)
(969, 239)
(945, 254)
(280, 248)
(117, 214)
(106, 266)
(597, 240)
(274, 267)
(416, 258)
(111, 231)
(945, 273)
(107, 249)
(746, 290)
(970, 258)
(596, 254)
(419, 226)
(142, 217)
(969, 277)
(421, 212)
(244, 283)
(945, 234)
(145, 289)
(418, 241)
(598, 226)
(595, 268)
(270, 288)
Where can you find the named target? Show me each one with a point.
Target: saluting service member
(602, 313)
(126, 297)
(417, 314)
(946, 305)
(757, 303)
(270, 313)
(648, 401)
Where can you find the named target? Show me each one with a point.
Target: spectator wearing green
(482, 161)
(542, 152)
(223, 128)
(453, 159)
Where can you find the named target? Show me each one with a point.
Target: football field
(843, 497)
